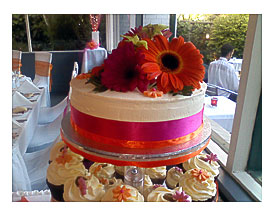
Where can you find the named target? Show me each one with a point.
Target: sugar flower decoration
(122, 71)
(178, 169)
(175, 64)
(153, 93)
(121, 194)
(81, 183)
(64, 157)
(97, 169)
(181, 197)
(200, 174)
(210, 158)
(92, 45)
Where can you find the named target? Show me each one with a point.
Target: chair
(49, 114)
(37, 155)
(37, 164)
(43, 77)
(213, 90)
(16, 60)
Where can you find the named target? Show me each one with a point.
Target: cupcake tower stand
(134, 158)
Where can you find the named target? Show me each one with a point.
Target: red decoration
(214, 101)
(95, 21)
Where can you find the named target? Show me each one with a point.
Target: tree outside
(208, 32)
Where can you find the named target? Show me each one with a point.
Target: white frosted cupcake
(119, 172)
(122, 193)
(108, 183)
(102, 170)
(156, 174)
(83, 189)
(66, 165)
(162, 194)
(203, 161)
(199, 184)
(173, 176)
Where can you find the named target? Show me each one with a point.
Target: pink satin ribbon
(137, 131)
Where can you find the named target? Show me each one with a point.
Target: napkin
(19, 100)
(15, 125)
(27, 87)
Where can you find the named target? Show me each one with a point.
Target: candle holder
(134, 176)
(214, 101)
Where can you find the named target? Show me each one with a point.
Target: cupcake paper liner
(56, 191)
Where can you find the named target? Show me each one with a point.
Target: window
(242, 142)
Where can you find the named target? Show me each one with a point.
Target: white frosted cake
(133, 120)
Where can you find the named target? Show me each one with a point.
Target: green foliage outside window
(221, 28)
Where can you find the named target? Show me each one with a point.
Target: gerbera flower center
(170, 61)
(130, 74)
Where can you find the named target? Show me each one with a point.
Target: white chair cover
(42, 81)
(49, 114)
(16, 54)
(37, 163)
(45, 135)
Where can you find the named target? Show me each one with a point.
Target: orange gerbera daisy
(175, 64)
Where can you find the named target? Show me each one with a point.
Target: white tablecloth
(237, 63)
(32, 196)
(25, 132)
(93, 58)
(223, 114)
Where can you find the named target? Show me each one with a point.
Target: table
(93, 58)
(23, 129)
(237, 63)
(223, 114)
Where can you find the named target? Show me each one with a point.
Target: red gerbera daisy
(122, 71)
(175, 64)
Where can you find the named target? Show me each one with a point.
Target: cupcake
(173, 176)
(57, 150)
(83, 189)
(122, 193)
(162, 194)
(203, 161)
(66, 165)
(102, 170)
(199, 184)
(156, 174)
(119, 172)
(148, 186)
(108, 183)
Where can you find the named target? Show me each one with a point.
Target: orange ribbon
(16, 64)
(134, 144)
(44, 69)
(146, 164)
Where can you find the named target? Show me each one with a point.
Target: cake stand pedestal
(140, 157)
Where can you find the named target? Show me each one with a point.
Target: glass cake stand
(124, 156)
